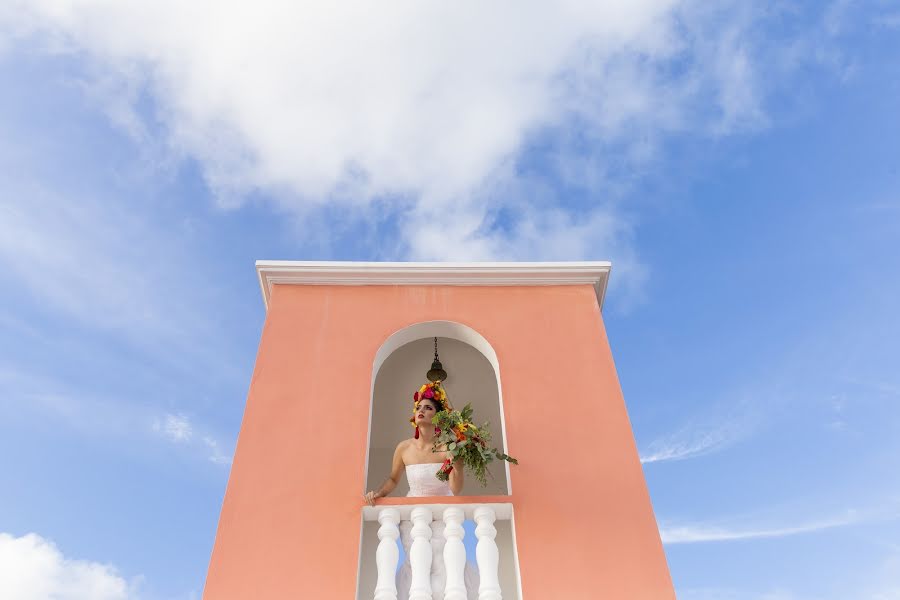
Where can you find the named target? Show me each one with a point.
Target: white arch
(430, 329)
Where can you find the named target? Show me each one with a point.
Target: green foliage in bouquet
(466, 442)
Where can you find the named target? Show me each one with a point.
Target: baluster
(387, 555)
(454, 554)
(420, 554)
(487, 554)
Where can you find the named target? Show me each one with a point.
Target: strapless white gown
(422, 482)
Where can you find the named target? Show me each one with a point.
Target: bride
(418, 458)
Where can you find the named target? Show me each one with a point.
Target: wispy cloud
(216, 455)
(85, 259)
(701, 437)
(891, 592)
(100, 274)
(688, 443)
(99, 253)
(176, 428)
(701, 532)
(744, 528)
(731, 594)
(25, 396)
(179, 430)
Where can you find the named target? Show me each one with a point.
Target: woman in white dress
(418, 459)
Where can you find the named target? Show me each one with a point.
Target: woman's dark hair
(435, 404)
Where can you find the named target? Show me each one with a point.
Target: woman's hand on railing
(370, 497)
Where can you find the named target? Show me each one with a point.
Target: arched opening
(399, 369)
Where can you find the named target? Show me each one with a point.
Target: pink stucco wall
(289, 526)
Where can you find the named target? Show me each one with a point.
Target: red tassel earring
(415, 407)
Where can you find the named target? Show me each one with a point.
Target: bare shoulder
(403, 450)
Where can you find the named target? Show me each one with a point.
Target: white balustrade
(420, 554)
(388, 554)
(454, 554)
(487, 552)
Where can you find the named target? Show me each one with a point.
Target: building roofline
(290, 272)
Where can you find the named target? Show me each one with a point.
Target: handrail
(502, 509)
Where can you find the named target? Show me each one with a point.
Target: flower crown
(429, 391)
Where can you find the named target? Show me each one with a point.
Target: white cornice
(289, 272)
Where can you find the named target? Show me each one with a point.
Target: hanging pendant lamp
(437, 372)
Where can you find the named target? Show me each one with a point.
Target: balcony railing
(421, 516)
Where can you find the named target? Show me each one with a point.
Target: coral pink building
(344, 346)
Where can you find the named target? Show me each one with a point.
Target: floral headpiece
(429, 391)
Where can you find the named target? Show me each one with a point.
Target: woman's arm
(457, 478)
(391, 482)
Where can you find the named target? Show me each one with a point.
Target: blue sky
(739, 165)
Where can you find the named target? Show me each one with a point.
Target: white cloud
(176, 428)
(424, 105)
(703, 532)
(32, 568)
(215, 452)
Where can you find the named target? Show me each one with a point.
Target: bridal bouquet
(464, 441)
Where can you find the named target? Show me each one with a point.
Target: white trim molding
(289, 272)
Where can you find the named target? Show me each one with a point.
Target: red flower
(416, 397)
(429, 393)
